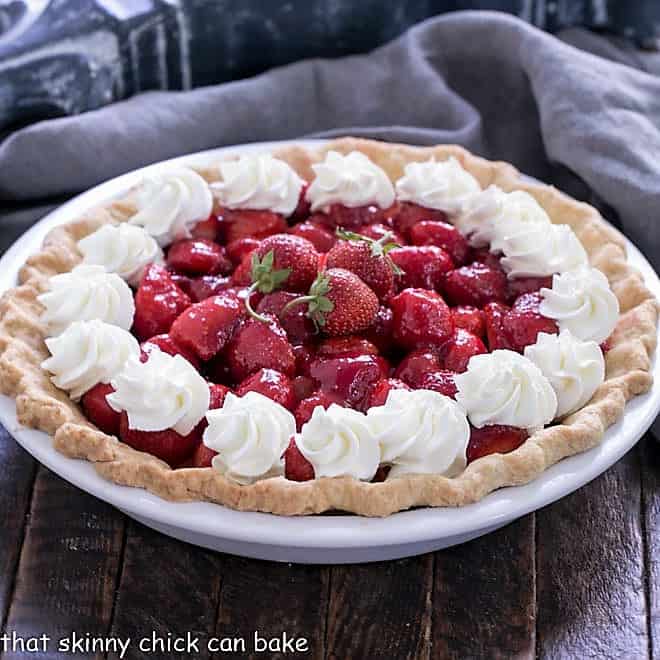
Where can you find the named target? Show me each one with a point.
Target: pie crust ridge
(41, 405)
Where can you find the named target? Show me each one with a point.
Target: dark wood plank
(273, 599)
(651, 512)
(591, 600)
(381, 610)
(18, 470)
(167, 589)
(484, 599)
(68, 567)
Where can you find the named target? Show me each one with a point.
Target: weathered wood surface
(580, 578)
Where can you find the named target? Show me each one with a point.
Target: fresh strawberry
(377, 232)
(349, 378)
(201, 458)
(340, 303)
(304, 410)
(290, 253)
(296, 466)
(380, 391)
(444, 235)
(205, 327)
(251, 224)
(348, 217)
(496, 336)
(520, 285)
(414, 367)
(349, 346)
(456, 353)
(380, 331)
(494, 440)
(158, 302)
(410, 214)
(257, 345)
(318, 235)
(441, 381)
(198, 257)
(272, 384)
(297, 325)
(422, 267)
(421, 318)
(367, 258)
(470, 319)
(98, 411)
(209, 229)
(166, 344)
(476, 285)
(167, 445)
(237, 250)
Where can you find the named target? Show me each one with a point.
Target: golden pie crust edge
(41, 405)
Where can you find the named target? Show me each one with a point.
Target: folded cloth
(485, 80)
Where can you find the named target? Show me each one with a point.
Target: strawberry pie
(364, 327)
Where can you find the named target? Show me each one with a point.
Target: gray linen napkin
(484, 80)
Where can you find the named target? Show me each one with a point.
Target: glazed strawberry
(297, 325)
(198, 257)
(201, 458)
(158, 301)
(456, 353)
(350, 346)
(378, 231)
(242, 276)
(476, 285)
(444, 235)
(496, 336)
(237, 250)
(348, 217)
(167, 445)
(441, 381)
(381, 474)
(340, 303)
(257, 345)
(414, 367)
(421, 318)
(296, 466)
(367, 258)
(485, 256)
(380, 331)
(423, 266)
(524, 322)
(304, 354)
(303, 387)
(98, 411)
(380, 391)
(318, 235)
(409, 214)
(494, 440)
(218, 394)
(304, 410)
(294, 254)
(270, 383)
(303, 209)
(470, 319)
(201, 288)
(520, 285)
(251, 224)
(349, 378)
(205, 327)
(209, 229)
(166, 344)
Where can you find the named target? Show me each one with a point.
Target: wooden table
(578, 579)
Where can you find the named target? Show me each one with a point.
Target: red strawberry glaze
(348, 217)
(350, 346)
(209, 229)
(494, 440)
(296, 466)
(99, 411)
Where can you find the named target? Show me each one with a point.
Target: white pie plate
(318, 539)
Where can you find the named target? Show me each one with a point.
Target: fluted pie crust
(41, 405)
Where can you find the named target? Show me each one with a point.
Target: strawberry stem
(318, 304)
(264, 279)
(379, 248)
(248, 305)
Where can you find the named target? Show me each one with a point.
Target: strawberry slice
(296, 466)
(98, 411)
(167, 445)
(494, 439)
(270, 383)
(158, 302)
(205, 327)
(349, 217)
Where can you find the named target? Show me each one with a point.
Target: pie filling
(263, 325)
